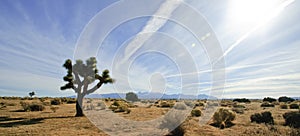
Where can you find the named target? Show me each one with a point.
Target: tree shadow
(9, 119)
(17, 111)
(25, 121)
(21, 122)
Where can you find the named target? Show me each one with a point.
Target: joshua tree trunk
(79, 112)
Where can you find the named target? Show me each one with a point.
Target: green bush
(267, 104)
(294, 106)
(223, 117)
(264, 117)
(196, 113)
(292, 119)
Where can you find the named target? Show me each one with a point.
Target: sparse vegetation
(264, 117)
(223, 118)
(13, 117)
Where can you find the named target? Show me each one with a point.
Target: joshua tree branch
(77, 79)
(99, 84)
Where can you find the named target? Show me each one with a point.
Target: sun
(251, 12)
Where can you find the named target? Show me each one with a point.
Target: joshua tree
(80, 76)
(31, 94)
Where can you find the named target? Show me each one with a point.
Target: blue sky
(260, 41)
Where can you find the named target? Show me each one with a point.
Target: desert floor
(14, 121)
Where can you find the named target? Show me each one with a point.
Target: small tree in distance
(131, 96)
(31, 93)
(80, 76)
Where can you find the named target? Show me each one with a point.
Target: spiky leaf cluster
(87, 72)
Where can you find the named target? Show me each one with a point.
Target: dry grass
(63, 122)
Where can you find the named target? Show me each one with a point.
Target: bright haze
(259, 38)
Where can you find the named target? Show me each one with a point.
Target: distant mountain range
(150, 96)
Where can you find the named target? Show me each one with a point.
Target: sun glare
(248, 12)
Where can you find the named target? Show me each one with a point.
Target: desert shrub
(223, 117)
(238, 106)
(238, 110)
(71, 101)
(196, 113)
(2, 105)
(10, 104)
(292, 119)
(224, 104)
(55, 101)
(42, 99)
(165, 104)
(54, 108)
(32, 106)
(63, 99)
(276, 103)
(46, 103)
(113, 107)
(284, 106)
(180, 106)
(285, 99)
(241, 100)
(264, 117)
(199, 104)
(121, 108)
(127, 111)
(294, 106)
(267, 104)
(269, 99)
(115, 103)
